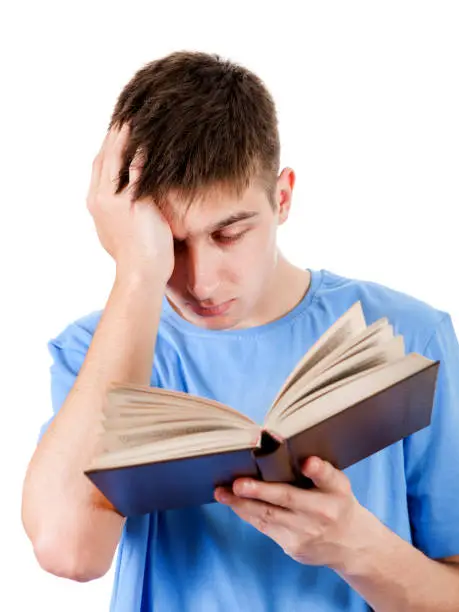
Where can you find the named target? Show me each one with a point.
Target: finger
(278, 494)
(97, 169)
(326, 477)
(135, 169)
(114, 147)
(270, 520)
(108, 135)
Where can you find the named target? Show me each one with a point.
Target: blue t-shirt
(206, 559)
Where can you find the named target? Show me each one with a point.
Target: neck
(288, 287)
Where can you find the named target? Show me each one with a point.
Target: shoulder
(410, 316)
(77, 334)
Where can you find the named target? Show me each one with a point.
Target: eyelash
(227, 240)
(230, 239)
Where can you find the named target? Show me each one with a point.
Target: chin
(228, 320)
(231, 318)
(217, 322)
(215, 325)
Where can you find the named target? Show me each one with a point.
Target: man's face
(226, 255)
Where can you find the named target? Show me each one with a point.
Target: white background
(368, 101)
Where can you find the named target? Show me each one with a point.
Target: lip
(211, 311)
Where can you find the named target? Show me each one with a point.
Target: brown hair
(200, 122)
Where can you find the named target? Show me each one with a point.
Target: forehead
(211, 208)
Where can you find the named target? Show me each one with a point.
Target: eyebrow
(234, 218)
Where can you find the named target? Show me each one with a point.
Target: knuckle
(265, 518)
(96, 161)
(293, 546)
(268, 512)
(99, 199)
(327, 471)
(95, 201)
(90, 203)
(346, 487)
(286, 498)
(329, 513)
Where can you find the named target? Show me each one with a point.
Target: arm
(327, 526)
(393, 576)
(73, 528)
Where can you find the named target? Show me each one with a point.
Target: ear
(284, 191)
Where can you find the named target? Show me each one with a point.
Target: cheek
(257, 255)
(263, 246)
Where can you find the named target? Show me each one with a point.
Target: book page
(375, 335)
(121, 432)
(128, 397)
(343, 394)
(129, 437)
(193, 444)
(389, 351)
(137, 415)
(156, 418)
(153, 413)
(345, 327)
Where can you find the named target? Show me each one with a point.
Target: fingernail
(244, 487)
(221, 496)
(314, 465)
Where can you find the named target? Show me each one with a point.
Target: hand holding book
(325, 527)
(352, 394)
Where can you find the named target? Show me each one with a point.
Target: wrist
(141, 275)
(366, 539)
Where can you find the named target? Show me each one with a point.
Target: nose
(202, 272)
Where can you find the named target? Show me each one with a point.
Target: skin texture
(327, 526)
(219, 258)
(73, 528)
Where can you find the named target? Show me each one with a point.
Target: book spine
(273, 459)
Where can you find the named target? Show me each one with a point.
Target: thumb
(325, 476)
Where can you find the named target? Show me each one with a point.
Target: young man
(186, 196)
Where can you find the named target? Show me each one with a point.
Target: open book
(353, 393)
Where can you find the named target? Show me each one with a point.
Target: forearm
(59, 503)
(393, 576)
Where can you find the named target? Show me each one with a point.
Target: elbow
(57, 558)
(74, 549)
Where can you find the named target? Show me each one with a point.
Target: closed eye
(225, 239)
(229, 239)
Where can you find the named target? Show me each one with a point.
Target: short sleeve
(68, 351)
(432, 455)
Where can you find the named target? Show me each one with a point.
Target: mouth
(211, 311)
